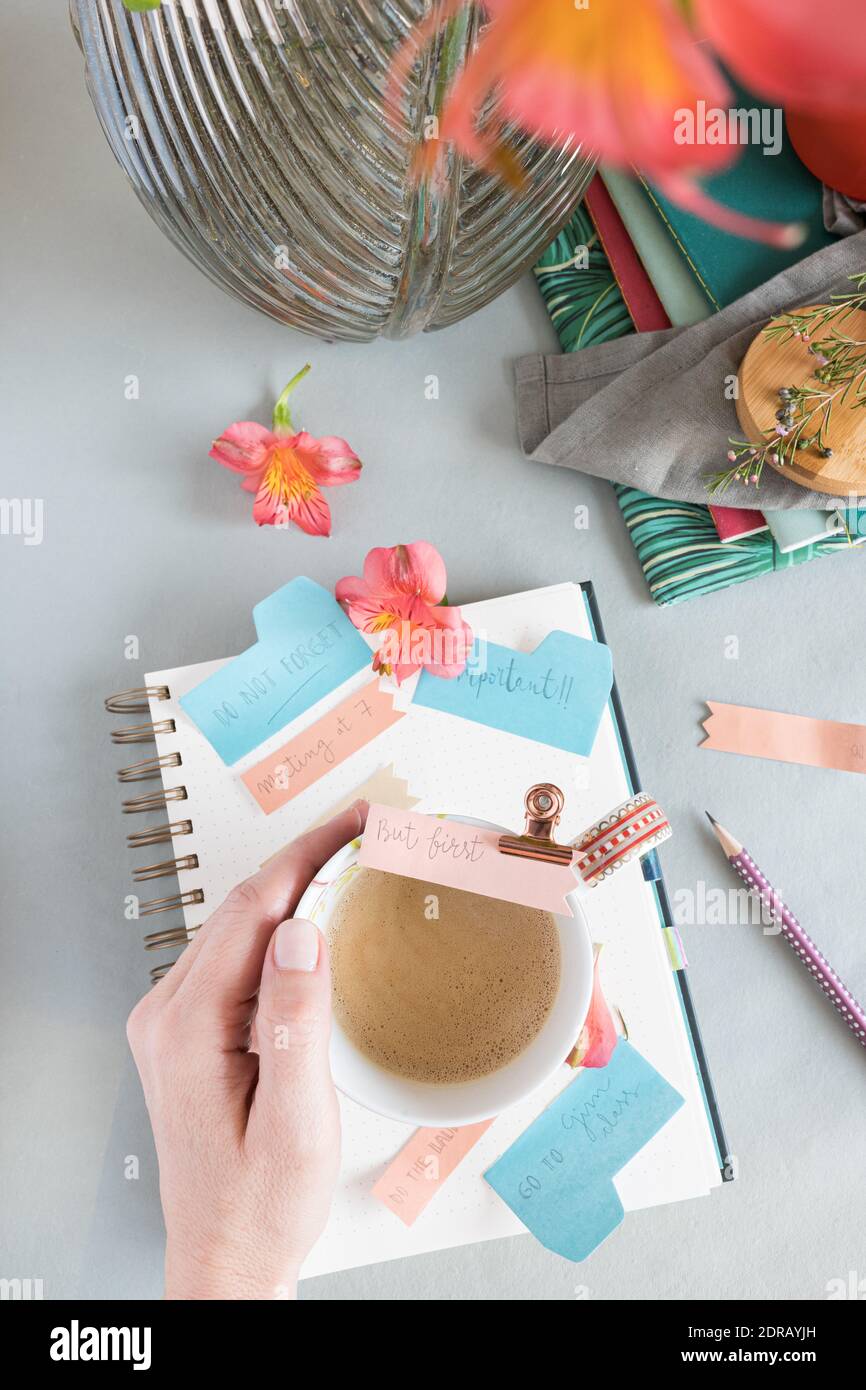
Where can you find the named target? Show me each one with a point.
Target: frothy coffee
(436, 984)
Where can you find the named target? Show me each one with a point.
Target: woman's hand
(232, 1050)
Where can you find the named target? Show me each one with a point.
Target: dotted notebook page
(459, 767)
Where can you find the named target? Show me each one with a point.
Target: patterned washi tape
(630, 831)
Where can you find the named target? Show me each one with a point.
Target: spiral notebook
(216, 834)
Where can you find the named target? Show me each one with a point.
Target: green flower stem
(282, 414)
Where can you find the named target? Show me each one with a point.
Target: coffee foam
(445, 999)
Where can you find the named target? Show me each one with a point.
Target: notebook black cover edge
(726, 1168)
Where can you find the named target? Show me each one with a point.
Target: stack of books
(664, 266)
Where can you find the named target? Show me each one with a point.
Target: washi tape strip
(634, 828)
(456, 855)
(351, 725)
(785, 738)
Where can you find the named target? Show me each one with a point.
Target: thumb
(293, 1024)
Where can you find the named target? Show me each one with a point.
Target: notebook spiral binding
(137, 701)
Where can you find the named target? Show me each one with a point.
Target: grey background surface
(145, 535)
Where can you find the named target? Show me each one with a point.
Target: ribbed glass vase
(255, 134)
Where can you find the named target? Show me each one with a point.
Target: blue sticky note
(306, 648)
(557, 1176)
(555, 695)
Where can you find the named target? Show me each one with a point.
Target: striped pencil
(818, 966)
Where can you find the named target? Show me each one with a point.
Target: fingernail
(296, 945)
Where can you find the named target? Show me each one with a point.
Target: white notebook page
(458, 767)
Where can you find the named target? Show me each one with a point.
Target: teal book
(774, 186)
(795, 527)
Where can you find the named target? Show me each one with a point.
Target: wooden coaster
(769, 364)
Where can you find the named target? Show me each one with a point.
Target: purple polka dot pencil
(817, 965)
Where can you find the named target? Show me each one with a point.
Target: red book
(733, 523)
(646, 309)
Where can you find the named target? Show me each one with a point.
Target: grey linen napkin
(842, 215)
(650, 410)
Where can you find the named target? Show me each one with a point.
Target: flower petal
(312, 514)
(401, 671)
(364, 608)
(287, 493)
(450, 643)
(416, 635)
(415, 570)
(330, 460)
(243, 447)
(790, 51)
(689, 195)
(584, 73)
(598, 1037)
(394, 654)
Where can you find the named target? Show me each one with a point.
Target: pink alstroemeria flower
(287, 470)
(598, 1036)
(627, 78)
(400, 597)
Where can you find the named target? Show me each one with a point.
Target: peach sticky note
(786, 738)
(420, 1169)
(309, 755)
(461, 856)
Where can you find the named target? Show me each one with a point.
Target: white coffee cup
(465, 1102)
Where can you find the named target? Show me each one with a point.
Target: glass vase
(256, 135)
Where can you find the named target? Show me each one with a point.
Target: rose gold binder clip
(543, 803)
